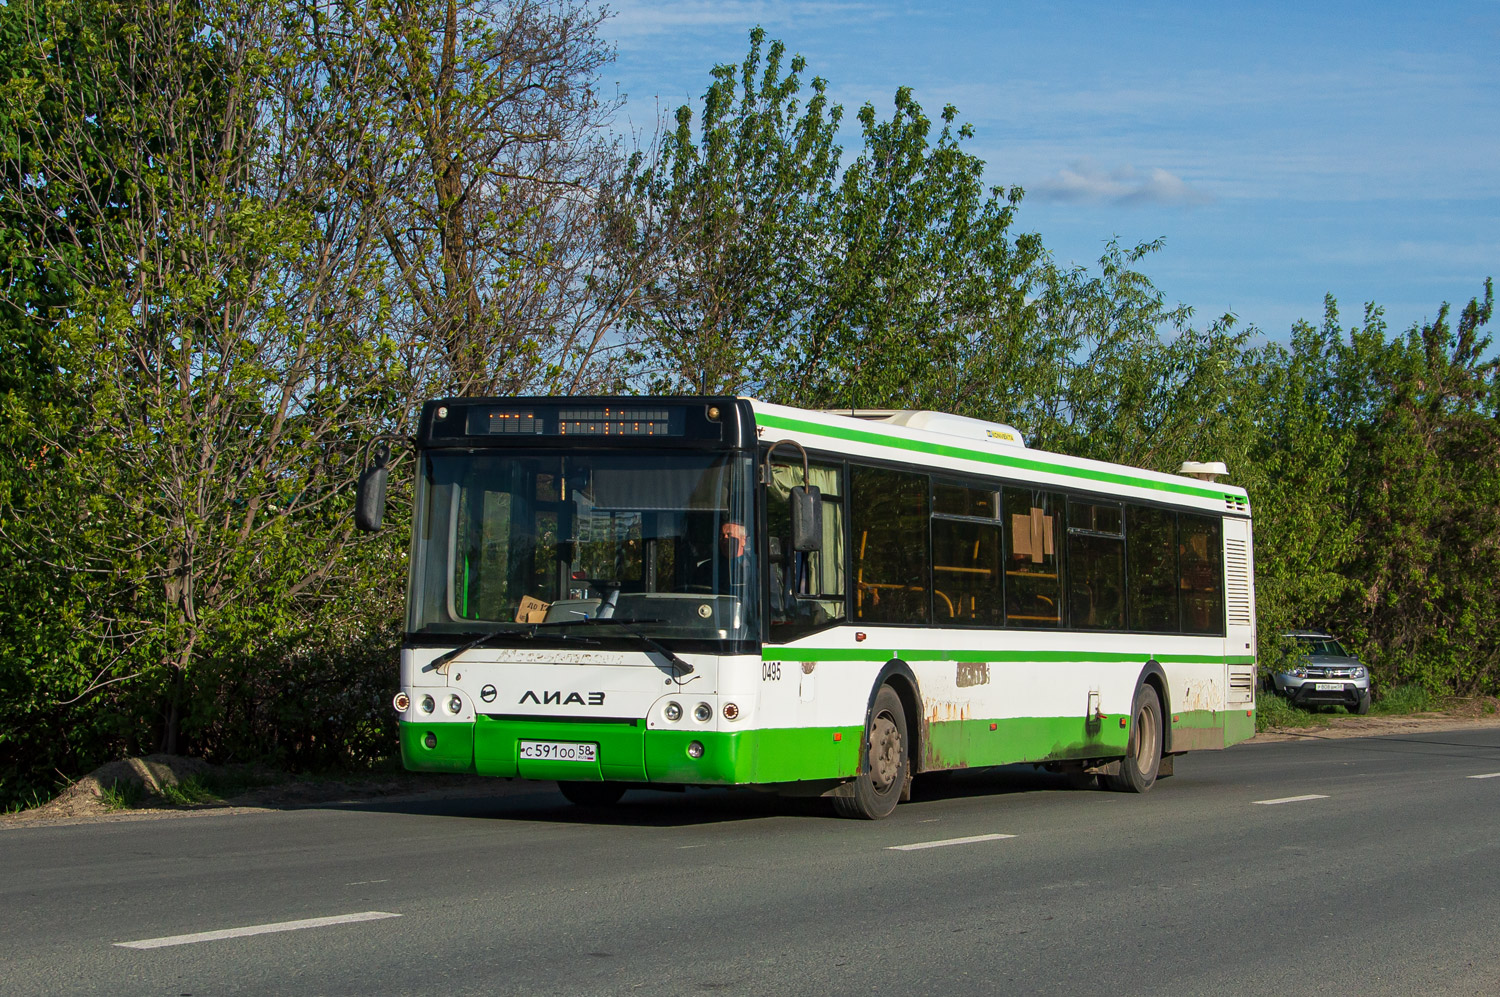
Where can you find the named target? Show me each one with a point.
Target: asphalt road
(1386, 881)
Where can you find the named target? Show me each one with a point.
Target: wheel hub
(885, 752)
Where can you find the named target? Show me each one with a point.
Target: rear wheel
(884, 765)
(592, 794)
(1142, 759)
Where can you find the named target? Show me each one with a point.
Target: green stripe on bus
(883, 655)
(985, 457)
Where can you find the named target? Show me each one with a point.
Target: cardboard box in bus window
(1031, 535)
(531, 610)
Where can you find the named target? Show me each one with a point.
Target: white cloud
(1088, 181)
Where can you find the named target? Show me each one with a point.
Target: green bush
(1409, 698)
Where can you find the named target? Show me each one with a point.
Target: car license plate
(1329, 687)
(560, 751)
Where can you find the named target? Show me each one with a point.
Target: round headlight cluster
(455, 703)
(673, 711)
(427, 704)
(703, 713)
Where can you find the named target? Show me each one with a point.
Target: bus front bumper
(630, 752)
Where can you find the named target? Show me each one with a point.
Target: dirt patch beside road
(1378, 726)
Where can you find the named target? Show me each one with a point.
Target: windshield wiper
(527, 632)
(629, 626)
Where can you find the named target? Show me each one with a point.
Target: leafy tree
(478, 150)
(727, 230)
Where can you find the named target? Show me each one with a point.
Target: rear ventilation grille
(1241, 684)
(1237, 581)
(1236, 503)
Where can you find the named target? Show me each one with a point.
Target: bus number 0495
(770, 671)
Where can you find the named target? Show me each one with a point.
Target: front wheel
(1363, 706)
(884, 765)
(592, 794)
(1142, 759)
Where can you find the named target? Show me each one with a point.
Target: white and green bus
(672, 592)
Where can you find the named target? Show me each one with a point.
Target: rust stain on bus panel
(1199, 695)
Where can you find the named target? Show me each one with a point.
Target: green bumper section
(629, 752)
(437, 747)
(1239, 725)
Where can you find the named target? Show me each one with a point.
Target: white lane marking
(255, 929)
(947, 841)
(367, 882)
(1487, 775)
(1291, 799)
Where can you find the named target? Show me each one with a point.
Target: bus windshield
(663, 542)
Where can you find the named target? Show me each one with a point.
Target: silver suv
(1327, 674)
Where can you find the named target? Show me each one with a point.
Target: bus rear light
(731, 712)
(402, 702)
(428, 704)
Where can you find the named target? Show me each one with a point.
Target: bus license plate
(560, 751)
(1330, 687)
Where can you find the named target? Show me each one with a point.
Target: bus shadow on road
(541, 803)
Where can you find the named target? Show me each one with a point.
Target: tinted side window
(1033, 569)
(1151, 544)
(1096, 566)
(1200, 561)
(966, 565)
(889, 545)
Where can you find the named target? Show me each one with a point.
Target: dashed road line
(971, 839)
(256, 929)
(1291, 799)
(1487, 775)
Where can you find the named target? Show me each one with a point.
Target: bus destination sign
(599, 420)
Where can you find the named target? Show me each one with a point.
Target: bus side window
(1151, 560)
(1033, 569)
(966, 563)
(1200, 546)
(889, 538)
(1096, 566)
(806, 587)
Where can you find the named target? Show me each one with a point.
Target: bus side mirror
(369, 497)
(807, 518)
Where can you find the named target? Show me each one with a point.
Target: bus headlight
(695, 749)
(673, 712)
(427, 704)
(703, 713)
(455, 703)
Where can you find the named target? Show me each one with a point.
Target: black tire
(1142, 759)
(1363, 706)
(592, 794)
(884, 763)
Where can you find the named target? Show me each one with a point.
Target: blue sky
(1283, 150)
